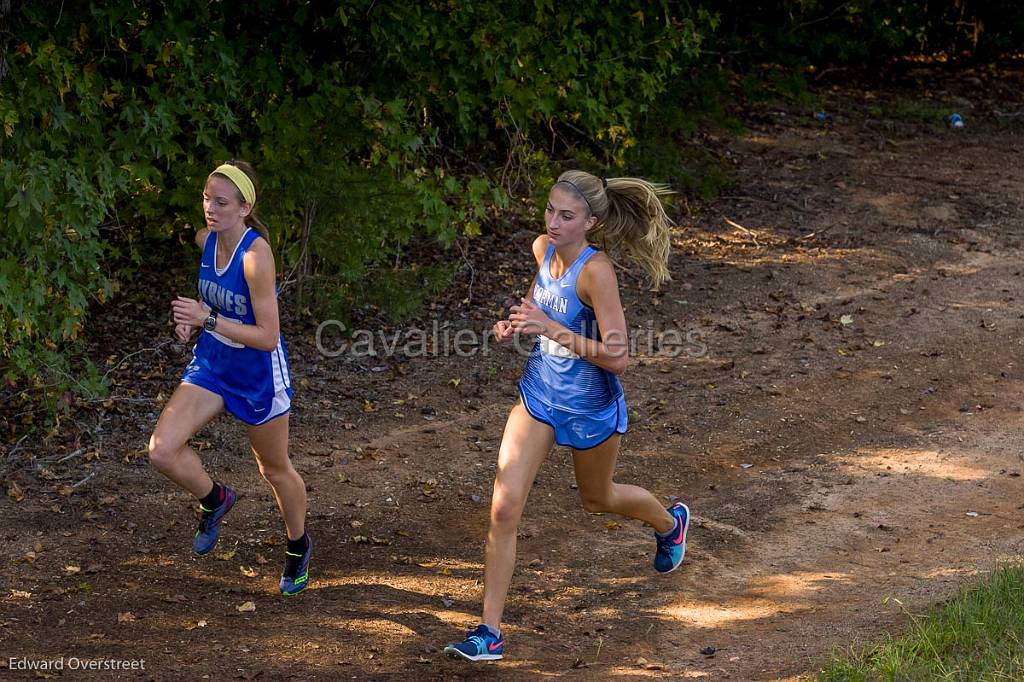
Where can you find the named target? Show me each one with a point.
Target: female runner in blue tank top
(570, 392)
(239, 365)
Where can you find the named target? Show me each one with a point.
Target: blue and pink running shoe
(479, 645)
(672, 545)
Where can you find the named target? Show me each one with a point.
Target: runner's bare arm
(597, 287)
(260, 273)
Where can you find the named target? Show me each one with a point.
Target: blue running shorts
(251, 412)
(580, 431)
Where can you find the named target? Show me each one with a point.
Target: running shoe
(209, 525)
(672, 545)
(479, 645)
(296, 571)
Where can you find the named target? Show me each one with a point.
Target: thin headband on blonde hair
(241, 181)
(578, 191)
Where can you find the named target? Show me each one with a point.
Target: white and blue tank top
(247, 372)
(555, 375)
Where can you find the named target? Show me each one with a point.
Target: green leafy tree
(378, 128)
(383, 131)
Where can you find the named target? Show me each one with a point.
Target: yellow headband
(241, 180)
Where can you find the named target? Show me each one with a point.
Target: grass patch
(910, 111)
(976, 635)
(1011, 121)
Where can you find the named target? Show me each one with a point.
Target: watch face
(210, 323)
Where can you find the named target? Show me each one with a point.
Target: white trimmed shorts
(249, 411)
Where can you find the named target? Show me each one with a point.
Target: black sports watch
(211, 321)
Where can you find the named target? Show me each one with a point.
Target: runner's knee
(276, 473)
(162, 454)
(595, 501)
(506, 510)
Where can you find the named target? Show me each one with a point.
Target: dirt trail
(868, 374)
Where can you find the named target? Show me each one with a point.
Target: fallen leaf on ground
(247, 607)
(14, 492)
(647, 665)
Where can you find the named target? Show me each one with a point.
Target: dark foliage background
(383, 131)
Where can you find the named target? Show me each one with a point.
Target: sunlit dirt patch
(921, 462)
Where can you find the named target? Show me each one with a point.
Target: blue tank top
(555, 375)
(248, 372)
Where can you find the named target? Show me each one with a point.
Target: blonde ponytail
(631, 220)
